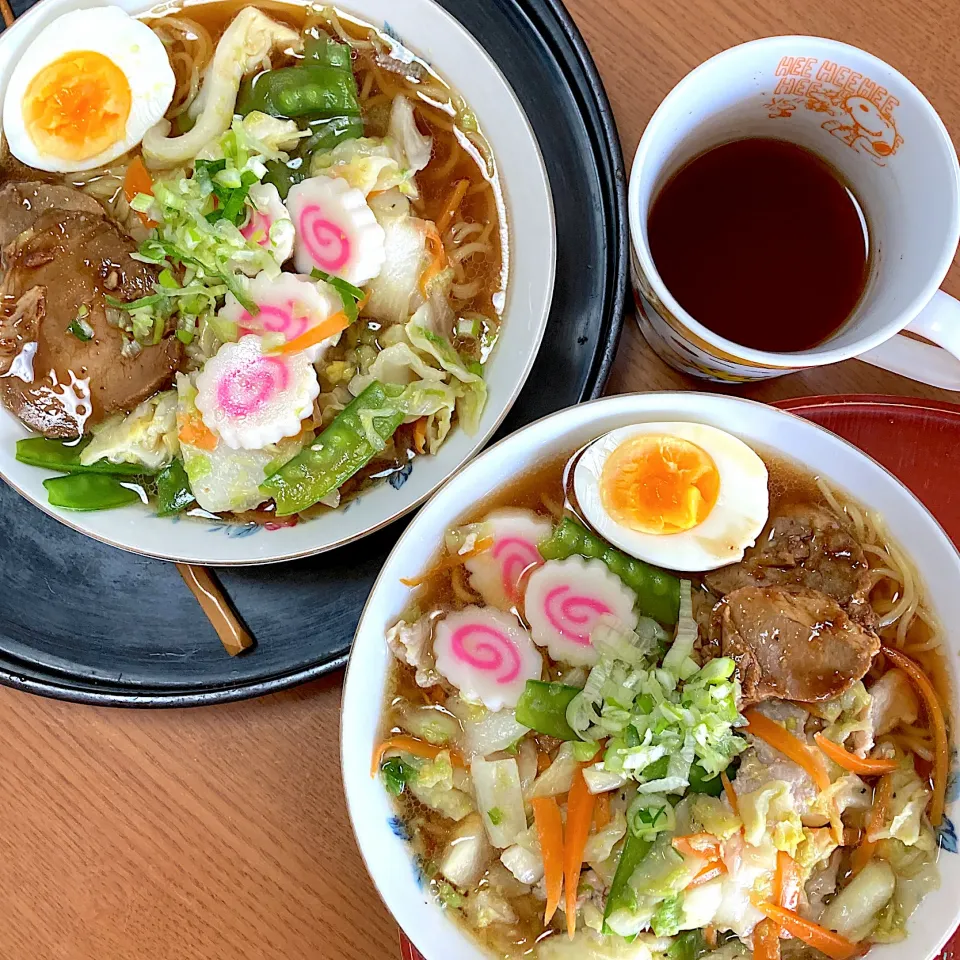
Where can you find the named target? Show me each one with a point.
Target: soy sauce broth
(725, 232)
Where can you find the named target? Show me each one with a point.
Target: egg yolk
(77, 106)
(659, 484)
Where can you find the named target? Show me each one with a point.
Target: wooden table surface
(221, 833)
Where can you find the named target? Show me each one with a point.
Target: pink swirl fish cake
(336, 231)
(497, 573)
(252, 399)
(564, 602)
(289, 306)
(486, 655)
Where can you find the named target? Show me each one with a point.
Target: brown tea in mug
(762, 242)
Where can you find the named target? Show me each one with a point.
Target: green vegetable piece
(336, 455)
(325, 135)
(621, 896)
(350, 295)
(543, 707)
(307, 91)
(65, 458)
(173, 490)
(700, 783)
(396, 774)
(495, 815)
(89, 491)
(80, 328)
(656, 770)
(325, 50)
(668, 917)
(688, 945)
(658, 592)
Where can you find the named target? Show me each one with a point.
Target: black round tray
(86, 622)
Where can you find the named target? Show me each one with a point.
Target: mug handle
(938, 366)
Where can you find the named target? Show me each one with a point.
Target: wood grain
(221, 833)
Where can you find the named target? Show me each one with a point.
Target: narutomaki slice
(336, 231)
(289, 307)
(487, 655)
(565, 600)
(252, 399)
(496, 573)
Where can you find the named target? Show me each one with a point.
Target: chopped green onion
(79, 326)
(469, 329)
(349, 294)
(495, 816)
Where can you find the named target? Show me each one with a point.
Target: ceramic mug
(883, 137)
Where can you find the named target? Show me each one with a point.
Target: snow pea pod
(337, 454)
(621, 896)
(90, 491)
(543, 707)
(307, 91)
(327, 51)
(65, 457)
(658, 592)
(173, 490)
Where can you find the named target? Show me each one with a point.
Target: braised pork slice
(792, 645)
(803, 545)
(61, 269)
(21, 205)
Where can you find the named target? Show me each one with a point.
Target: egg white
(732, 525)
(130, 44)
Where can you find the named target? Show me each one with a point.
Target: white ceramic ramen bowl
(436, 37)
(388, 857)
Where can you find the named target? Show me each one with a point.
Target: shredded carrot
(863, 766)
(790, 746)
(698, 845)
(710, 936)
(579, 817)
(452, 205)
(438, 259)
(787, 881)
(420, 435)
(138, 180)
(546, 816)
(730, 793)
(326, 328)
(449, 563)
(826, 941)
(601, 813)
(415, 747)
(787, 886)
(938, 723)
(868, 844)
(766, 941)
(543, 762)
(710, 871)
(195, 433)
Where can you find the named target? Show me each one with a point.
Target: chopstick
(8, 16)
(232, 633)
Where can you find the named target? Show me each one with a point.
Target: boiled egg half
(86, 90)
(684, 496)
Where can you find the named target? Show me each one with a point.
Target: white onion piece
(486, 655)
(251, 399)
(336, 231)
(565, 600)
(496, 573)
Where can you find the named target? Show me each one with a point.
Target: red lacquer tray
(917, 441)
